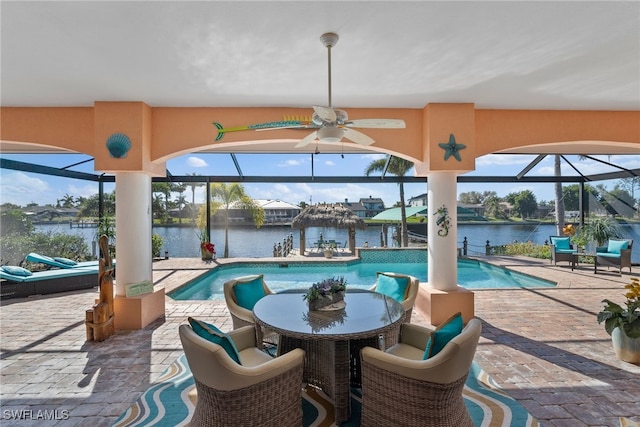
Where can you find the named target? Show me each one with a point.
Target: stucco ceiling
(515, 55)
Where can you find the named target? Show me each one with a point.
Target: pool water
(279, 277)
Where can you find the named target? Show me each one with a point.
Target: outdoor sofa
(617, 253)
(45, 282)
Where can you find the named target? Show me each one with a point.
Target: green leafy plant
(156, 245)
(600, 230)
(327, 245)
(627, 319)
(325, 287)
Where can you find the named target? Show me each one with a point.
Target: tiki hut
(328, 215)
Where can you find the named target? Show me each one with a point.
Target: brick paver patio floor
(543, 346)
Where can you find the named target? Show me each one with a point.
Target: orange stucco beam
(70, 128)
(181, 130)
(166, 132)
(501, 130)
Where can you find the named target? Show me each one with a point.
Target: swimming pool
(471, 274)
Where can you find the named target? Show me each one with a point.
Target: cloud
(196, 162)
(21, 189)
(329, 163)
(504, 159)
(289, 163)
(87, 190)
(373, 156)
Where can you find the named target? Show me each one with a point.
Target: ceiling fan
(334, 123)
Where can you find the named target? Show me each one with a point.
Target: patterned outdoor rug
(171, 401)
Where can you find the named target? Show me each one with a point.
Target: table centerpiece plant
(623, 324)
(326, 292)
(328, 248)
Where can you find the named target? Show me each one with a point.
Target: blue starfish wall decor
(452, 148)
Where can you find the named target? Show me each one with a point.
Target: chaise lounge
(617, 253)
(18, 282)
(58, 261)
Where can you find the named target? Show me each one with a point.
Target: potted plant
(328, 248)
(623, 324)
(207, 249)
(599, 230)
(325, 292)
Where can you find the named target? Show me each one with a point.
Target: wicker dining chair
(243, 316)
(261, 391)
(410, 292)
(399, 388)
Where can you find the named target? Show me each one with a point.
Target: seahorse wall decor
(443, 221)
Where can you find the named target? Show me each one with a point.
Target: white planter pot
(627, 349)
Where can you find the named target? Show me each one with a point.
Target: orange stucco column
(128, 125)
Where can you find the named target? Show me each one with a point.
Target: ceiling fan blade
(325, 113)
(377, 123)
(307, 140)
(358, 137)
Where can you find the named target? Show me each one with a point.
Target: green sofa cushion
(615, 246)
(561, 243)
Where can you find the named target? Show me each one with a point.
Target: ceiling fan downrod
(329, 40)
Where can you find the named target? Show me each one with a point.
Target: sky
(22, 188)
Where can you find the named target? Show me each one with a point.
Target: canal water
(258, 243)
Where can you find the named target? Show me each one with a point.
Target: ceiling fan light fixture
(330, 134)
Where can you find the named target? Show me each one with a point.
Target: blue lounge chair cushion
(66, 261)
(47, 260)
(394, 287)
(60, 262)
(16, 271)
(561, 243)
(444, 333)
(211, 333)
(615, 246)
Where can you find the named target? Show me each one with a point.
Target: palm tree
(180, 188)
(226, 195)
(193, 186)
(559, 196)
(397, 167)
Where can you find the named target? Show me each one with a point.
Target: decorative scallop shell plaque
(118, 145)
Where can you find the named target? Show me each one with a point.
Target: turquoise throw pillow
(66, 261)
(443, 334)
(216, 336)
(561, 242)
(615, 246)
(394, 287)
(249, 293)
(16, 271)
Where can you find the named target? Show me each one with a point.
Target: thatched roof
(327, 215)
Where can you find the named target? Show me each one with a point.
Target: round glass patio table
(331, 339)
